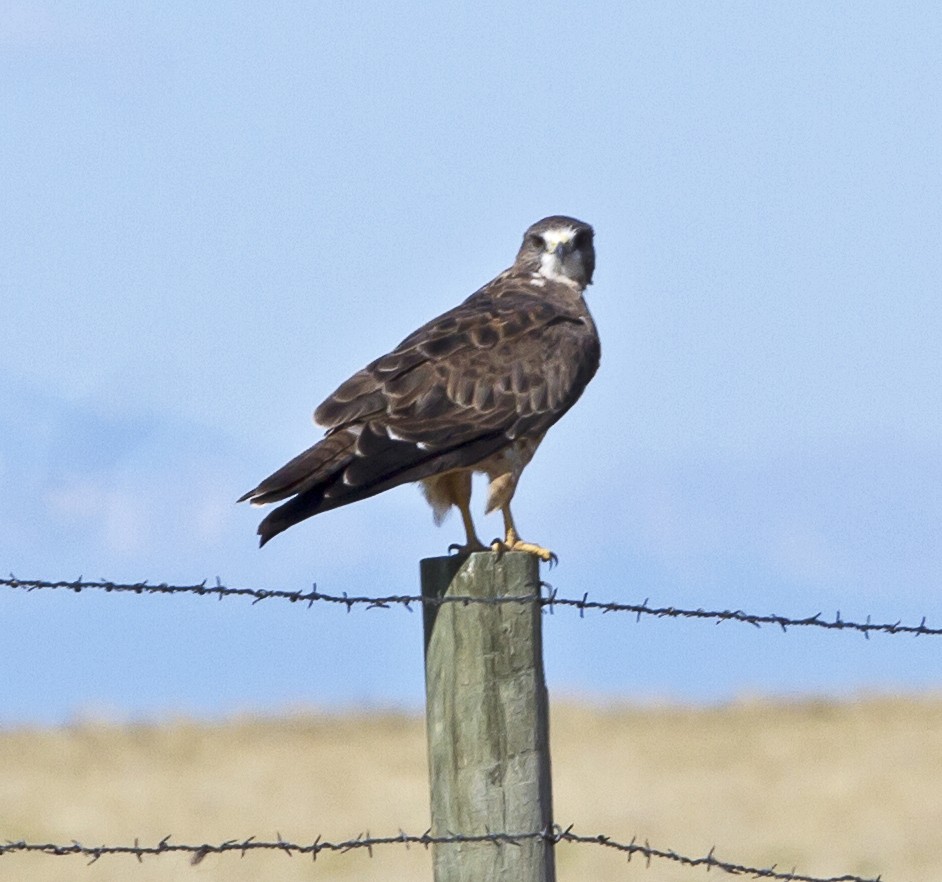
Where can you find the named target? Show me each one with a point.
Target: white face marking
(550, 265)
(555, 235)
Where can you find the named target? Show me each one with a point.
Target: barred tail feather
(353, 476)
(314, 466)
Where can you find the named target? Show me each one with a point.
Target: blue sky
(214, 214)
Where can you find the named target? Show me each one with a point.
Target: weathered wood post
(487, 715)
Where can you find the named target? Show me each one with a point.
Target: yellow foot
(543, 554)
(463, 550)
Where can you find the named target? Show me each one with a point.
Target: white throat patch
(551, 268)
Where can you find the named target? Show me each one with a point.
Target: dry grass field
(829, 788)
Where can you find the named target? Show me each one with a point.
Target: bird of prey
(473, 390)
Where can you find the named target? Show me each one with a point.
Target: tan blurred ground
(828, 788)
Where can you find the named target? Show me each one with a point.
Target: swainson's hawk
(474, 390)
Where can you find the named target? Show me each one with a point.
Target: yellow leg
(473, 543)
(513, 542)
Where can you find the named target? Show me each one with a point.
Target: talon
(464, 550)
(544, 554)
(513, 542)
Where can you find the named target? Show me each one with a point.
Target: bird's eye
(536, 241)
(581, 239)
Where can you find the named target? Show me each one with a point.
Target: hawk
(474, 390)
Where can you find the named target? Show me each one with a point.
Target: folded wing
(508, 361)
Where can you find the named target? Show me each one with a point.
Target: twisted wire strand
(554, 836)
(551, 600)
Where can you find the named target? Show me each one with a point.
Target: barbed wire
(553, 836)
(557, 835)
(550, 601)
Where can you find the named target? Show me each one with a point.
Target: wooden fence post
(487, 716)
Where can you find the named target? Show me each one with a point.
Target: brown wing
(510, 360)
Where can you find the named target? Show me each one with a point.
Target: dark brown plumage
(472, 390)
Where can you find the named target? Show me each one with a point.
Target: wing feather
(514, 340)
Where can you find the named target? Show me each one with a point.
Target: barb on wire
(550, 601)
(554, 836)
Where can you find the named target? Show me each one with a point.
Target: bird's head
(559, 248)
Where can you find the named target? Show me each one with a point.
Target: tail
(307, 478)
(355, 463)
